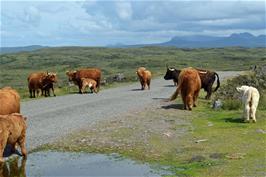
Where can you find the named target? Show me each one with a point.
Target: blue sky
(100, 23)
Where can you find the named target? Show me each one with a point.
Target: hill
(4, 50)
(201, 41)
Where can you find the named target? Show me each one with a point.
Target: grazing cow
(9, 101)
(207, 79)
(250, 99)
(86, 82)
(189, 85)
(92, 73)
(144, 77)
(41, 80)
(12, 131)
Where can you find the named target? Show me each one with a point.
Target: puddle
(75, 164)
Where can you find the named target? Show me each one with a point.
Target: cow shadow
(169, 85)
(174, 106)
(134, 90)
(234, 120)
(163, 99)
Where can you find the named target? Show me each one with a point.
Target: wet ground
(74, 164)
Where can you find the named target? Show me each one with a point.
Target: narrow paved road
(54, 117)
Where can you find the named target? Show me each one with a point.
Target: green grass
(14, 68)
(231, 147)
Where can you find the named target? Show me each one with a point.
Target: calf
(250, 99)
(92, 84)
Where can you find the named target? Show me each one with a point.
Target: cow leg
(246, 112)
(189, 102)
(22, 144)
(209, 92)
(3, 141)
(34, 93)
(80, 88)
(30, 91)
(184, 101)
(52, 90)
(196, 94)
(253, 113)
(149, 83)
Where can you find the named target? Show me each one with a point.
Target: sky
(101, 23)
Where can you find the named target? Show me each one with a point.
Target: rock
(197, 158)
(217, 155)
(202, 140)
(217, 104)
(260, 131)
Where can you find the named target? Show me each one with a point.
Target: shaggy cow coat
(9, 101)
(207, 79)
(250, 99)
(41, 81)
(92, 84)
(91, 73)
(12, 130)
(189, 85)
(144, 77)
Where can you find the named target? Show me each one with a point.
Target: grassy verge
(203, 142)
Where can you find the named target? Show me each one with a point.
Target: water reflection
(74, 164)
(13, 167)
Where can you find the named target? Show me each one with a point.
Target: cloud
(130, 22)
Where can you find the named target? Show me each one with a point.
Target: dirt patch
(149, 134)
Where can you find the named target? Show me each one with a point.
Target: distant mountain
(239, 40)
(201, 41)
(4, 50)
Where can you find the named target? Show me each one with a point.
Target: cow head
(171, 73)
(51, 77)
(71, 75)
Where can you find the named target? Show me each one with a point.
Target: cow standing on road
(144, 77)
(91, 73)
(189, 85)
(207, 79)
(40, 81)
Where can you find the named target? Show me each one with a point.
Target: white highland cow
(250, 99)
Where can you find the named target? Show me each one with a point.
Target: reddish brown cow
(12, 131)
(41, 80)
(189, 85)
(91, 73)
(86, 82)
(9, 101)
(144, 77)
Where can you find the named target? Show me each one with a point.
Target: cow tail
(174, 96)
(218, 82)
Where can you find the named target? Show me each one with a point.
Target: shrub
(231, 104)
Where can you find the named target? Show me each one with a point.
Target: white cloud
(131, 22)
(124, 10)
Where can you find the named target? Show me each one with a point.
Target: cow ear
(67, 72)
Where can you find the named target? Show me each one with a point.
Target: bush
(231, 104)
(232, 99)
